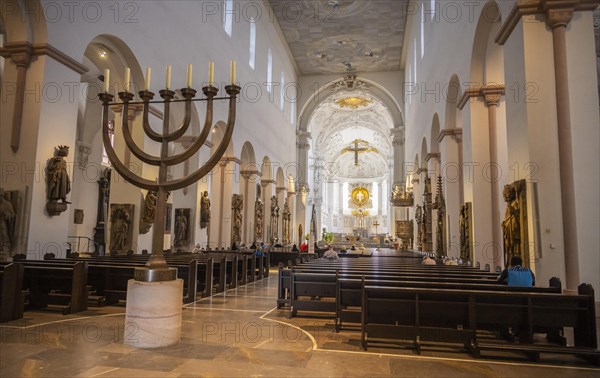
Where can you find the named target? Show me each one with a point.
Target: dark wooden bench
(349, 293)
(63, 285)
(393, 314)
(11, 297)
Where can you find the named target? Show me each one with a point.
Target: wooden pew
(349, 293)
(56, 284)
(413, 314)
(11, 297)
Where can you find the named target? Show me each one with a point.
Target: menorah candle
(127, 78)
(189, 76)
(106, 80)
(148, 72)
(211, 73)
(168, 79)
(232, 69)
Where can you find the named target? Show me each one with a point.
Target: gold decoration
(356, 149)
(360, 196)
(353, 102)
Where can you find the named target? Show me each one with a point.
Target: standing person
(517, 275)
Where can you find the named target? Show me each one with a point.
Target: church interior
(217, 158)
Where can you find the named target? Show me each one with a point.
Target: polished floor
(238, 333)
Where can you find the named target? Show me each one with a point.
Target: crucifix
(376, 224)
(356, 149)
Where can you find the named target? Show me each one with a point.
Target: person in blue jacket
(517, 275)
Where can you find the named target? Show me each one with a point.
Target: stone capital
(397, 135)
(19, 52)
(559, 17)
(432, 155)
(492, 94)
(455, 134)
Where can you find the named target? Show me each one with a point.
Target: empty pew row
(69, 282)
(321, 282)
(11, 296)
(409, 314)
(62, 285)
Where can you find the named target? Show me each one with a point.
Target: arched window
(269, 71)
(111, 135)
(228, 17)
(282, 93)
(252, 59)
(422, 30)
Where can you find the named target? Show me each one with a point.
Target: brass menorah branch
(156, 268)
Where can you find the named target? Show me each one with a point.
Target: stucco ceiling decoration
(353, 102)
(336, 129)
(337, 36)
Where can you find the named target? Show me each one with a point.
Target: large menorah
(156, 269)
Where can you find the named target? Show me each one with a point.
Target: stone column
(433, 169)
(301, 180)
(557, 20)
(492, 94)
(250, 178)
(450, 142)
(268, 189)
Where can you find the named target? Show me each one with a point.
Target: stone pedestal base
(153, 313)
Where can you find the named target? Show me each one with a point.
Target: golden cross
(356, 149)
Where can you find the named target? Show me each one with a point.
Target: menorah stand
(153, 312)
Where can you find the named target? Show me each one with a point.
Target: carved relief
(237, 205)
(514, 225)
(121, 233)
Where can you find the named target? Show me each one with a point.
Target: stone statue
(181, 228)
(204, 210)
(120, 229)
(149, 208)
(7, 223)
(258, 220)
(59, 184)
(511, 228)
(237, 205)
(418, 220)
(464, 228)
(287, 217)
(440, 206)
(274, 218)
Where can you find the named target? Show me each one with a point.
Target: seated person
(304, 247)
(344, 249)
(517, 275)
(428, 261)
(353, 247)
(234, 247)
(330, 254)
(295, 248)
(196, 248)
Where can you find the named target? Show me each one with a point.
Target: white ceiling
(334, 128)
(337, 36)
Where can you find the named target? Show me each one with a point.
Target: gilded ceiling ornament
(353, 102)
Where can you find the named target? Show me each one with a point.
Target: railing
(76, 246)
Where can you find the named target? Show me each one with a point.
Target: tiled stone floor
(238, 333)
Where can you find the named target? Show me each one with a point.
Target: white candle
(232, 69)
(168, 79)
(127, 78)
(211, 73)
(148, 73)
(106, 80)
(189, 76)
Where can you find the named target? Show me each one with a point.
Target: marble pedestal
(153, 313)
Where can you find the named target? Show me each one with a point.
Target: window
(111, 135)
(415, 60)
(228, 17)
(252, 59)
(282, 93)
(269, 71)
(293, 112)
(422, 30)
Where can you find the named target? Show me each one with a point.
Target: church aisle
(236, 333)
